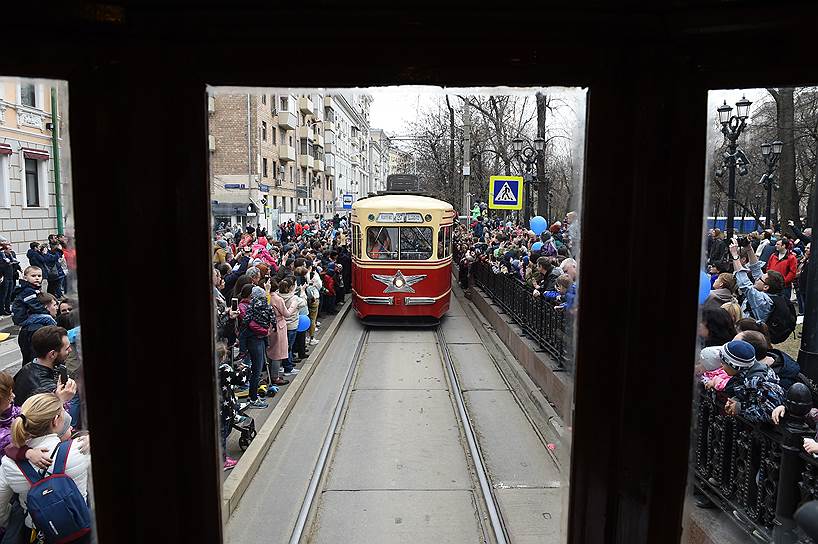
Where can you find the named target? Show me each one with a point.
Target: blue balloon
(704, 286)
(537, 246)
(538, 224)
(303, 323)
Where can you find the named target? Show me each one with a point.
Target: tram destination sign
(506, 193)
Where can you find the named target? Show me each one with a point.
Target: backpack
(54, 502)
(52, 272)
(781, 320)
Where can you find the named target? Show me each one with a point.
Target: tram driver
(382, 248)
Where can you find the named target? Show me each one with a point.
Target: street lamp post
(528, 155)
(770, 153)
(732, 126)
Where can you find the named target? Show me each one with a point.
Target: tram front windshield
(399, 243)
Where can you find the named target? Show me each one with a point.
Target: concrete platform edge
(236, 484)
(555, 387)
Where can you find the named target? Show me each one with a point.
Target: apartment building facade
(351, 146)
(268, 163)
(378, 159)
(28, 211)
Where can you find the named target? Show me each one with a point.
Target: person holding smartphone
(44, 374)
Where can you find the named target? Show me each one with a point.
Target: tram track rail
(495, 518)
(497, 533)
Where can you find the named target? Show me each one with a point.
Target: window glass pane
(753, 441)
(28, 95)
(382, 242)
(39, 289)
(381, 132)
(32, 183)
(415, 243)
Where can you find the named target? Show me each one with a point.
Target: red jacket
(787, 266)
(329, 284)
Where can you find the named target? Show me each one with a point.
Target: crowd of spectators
(749, 311)
(40, 410)
(545, 263)
(264, 286)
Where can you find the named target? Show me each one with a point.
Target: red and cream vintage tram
(402, 261)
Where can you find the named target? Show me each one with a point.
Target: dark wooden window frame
(648, 67)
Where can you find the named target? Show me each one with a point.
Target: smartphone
(63, 374)
(234, 304)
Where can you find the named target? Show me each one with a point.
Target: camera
(743, 241)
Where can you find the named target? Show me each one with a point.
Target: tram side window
(382, 242)
(356, 237)
(415, 243)
(444, 242)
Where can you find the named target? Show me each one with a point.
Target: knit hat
(221, 243)
(258, 292)
(711, 358)
(738, 354)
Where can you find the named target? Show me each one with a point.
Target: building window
(28, 95)
(5, 181)
(264, 131)
(32, 183)
(291, 141)
(264, 166)
(273, 136)
(291, 173)
(264, 99)
(285, 103)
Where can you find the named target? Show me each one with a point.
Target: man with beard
(51, 348)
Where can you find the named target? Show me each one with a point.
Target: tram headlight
(428, 217)
(399, 282)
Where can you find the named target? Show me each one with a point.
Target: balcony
(355, 160)
(306, 161)
(286, 153)
(319, 166)
(329, 102)
(319, 140)
(305, 133)
(329, 170)
(329, 126)
(329, 147)
(305, 105)
(287, 120)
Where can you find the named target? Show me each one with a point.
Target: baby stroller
(246, 425)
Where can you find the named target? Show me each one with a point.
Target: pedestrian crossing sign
(506, 193)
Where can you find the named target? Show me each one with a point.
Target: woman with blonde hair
(734, 310)
(42, 423)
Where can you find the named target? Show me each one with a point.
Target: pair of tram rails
(401, 259)
(401, 275)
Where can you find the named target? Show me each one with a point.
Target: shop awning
(5, 149)
(37, 154)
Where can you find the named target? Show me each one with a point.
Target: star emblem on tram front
(398, 283)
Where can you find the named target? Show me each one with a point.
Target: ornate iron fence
(546, 325)
(757, 474)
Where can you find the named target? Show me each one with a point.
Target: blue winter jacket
(36, 321)
(25, 303)
(35, 258)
